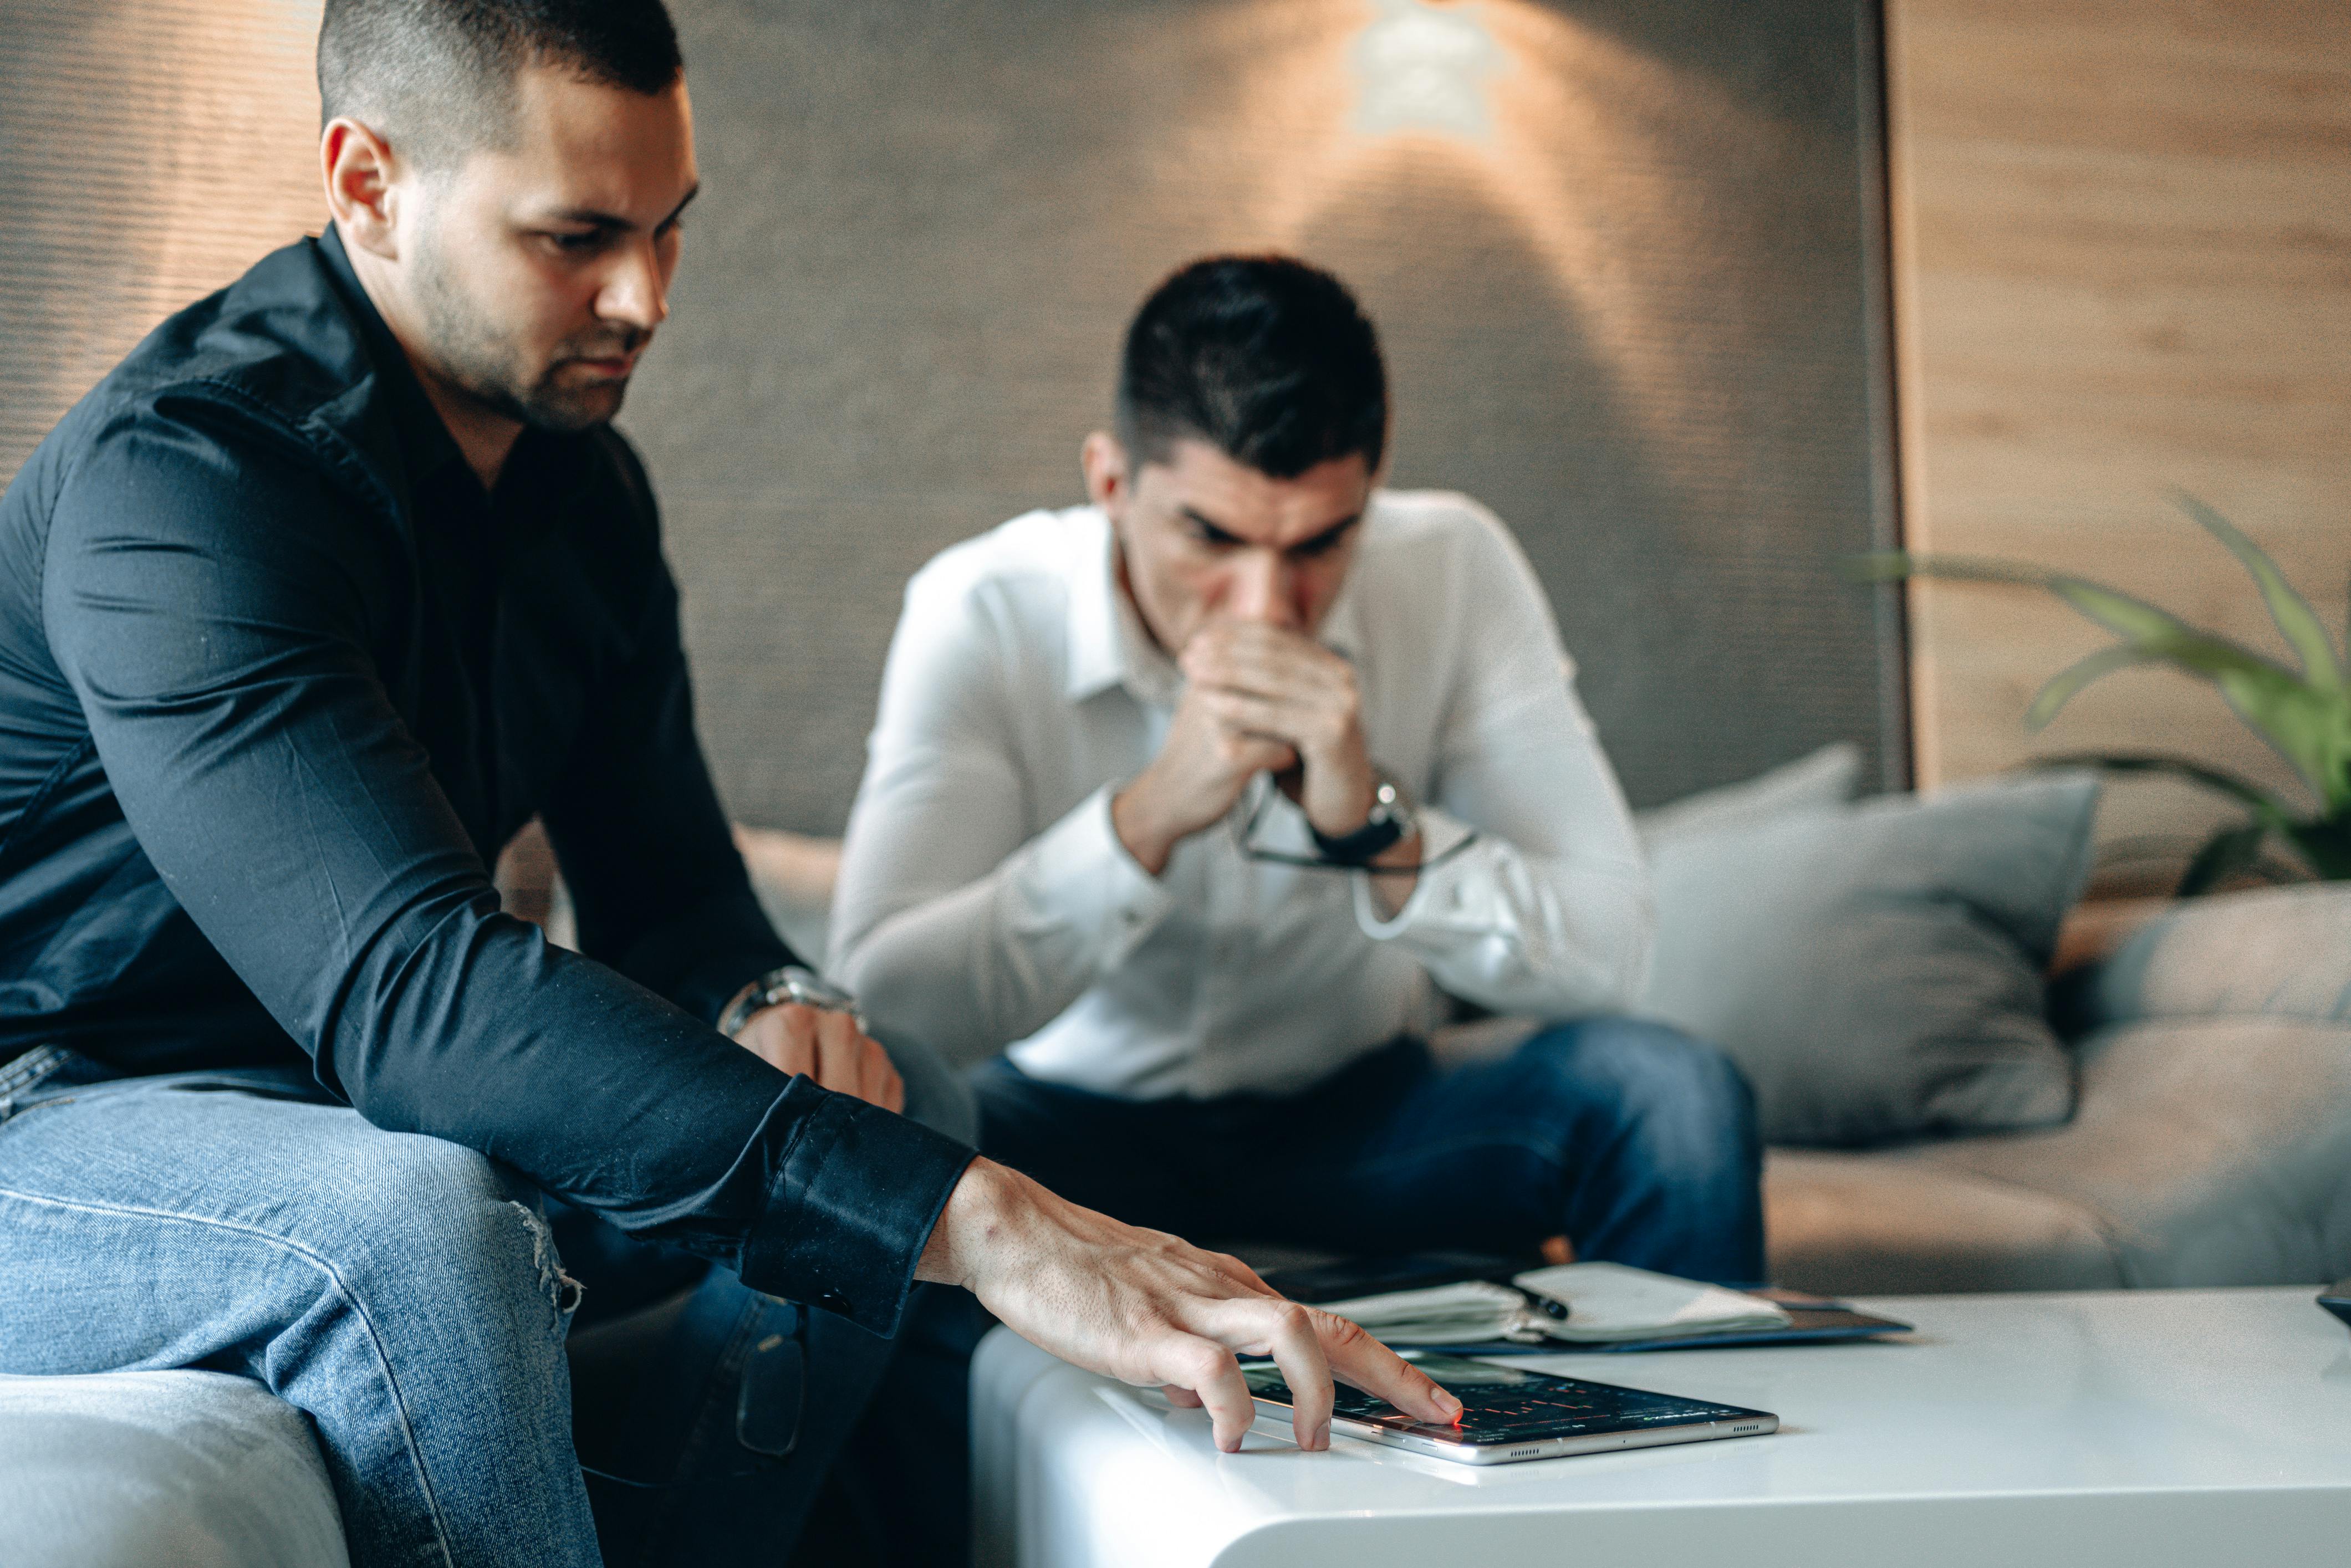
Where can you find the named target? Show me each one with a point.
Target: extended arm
(212, 614)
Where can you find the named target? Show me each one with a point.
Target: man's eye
(576, 242)
(1315, 548)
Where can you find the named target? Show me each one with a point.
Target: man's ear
(362, 188)
(1104, 462)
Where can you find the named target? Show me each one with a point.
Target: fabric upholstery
(1852, 1223)
(1877, 970)
(2211, 1144)
(197, 1469)
(2280, 953)
(1820, 782)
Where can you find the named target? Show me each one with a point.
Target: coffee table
(2110, 1428)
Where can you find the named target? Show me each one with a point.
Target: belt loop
(27, 1073)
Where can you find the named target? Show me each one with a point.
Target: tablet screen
(1509, 1404)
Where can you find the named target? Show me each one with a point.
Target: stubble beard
(474, 354)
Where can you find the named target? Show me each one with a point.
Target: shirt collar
(1110, 646)
(425, 445)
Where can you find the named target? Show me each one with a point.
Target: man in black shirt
(340, 578)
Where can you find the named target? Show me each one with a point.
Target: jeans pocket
(44, 1071)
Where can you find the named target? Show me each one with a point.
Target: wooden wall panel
(2123, 263)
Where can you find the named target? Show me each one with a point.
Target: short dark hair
(436, 78)
(1269, 360)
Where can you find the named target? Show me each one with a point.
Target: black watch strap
(1389, 822)
(1361, 846)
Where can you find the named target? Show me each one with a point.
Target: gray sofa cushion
(1876, 970)
(1821, 782)
(131, 1470)
(2204, 1152)
(2211, 1144)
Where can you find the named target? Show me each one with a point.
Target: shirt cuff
(1439, 835)
(1078, 875)
(850, 1210)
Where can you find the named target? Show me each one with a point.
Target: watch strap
(1389, 823)
(1361, 846)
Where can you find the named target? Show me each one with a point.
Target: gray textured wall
(1619, 250)
(1619, 264)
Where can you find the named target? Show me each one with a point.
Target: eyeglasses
(1244, 836)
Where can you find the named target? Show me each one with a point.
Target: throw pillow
(1877, 970)
(1825, 779)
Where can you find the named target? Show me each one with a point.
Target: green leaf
(2265, 805)
(2116, 611)
(2310, 726)
(2228, 851)
(2310, 729)
(2296, 621)
(2061, 687)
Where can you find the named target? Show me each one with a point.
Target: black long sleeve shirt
(278, 679)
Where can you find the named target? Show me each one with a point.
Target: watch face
(819, 997)
(813, 991)
(790, 985)
(1390, 800)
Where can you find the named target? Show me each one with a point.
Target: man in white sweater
(1182, 805)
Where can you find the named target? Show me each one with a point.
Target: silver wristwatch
(792, 983)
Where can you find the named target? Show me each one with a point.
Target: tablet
(1509, 1414)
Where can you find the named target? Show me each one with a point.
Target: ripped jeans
(407, 1295)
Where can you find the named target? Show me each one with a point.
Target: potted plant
(2304, 715)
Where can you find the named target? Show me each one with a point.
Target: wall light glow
(1579, 142)
(1424, 67)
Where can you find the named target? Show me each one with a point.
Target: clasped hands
(1258, 698)
(1140, 1305)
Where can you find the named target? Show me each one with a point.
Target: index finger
(1362, 1362)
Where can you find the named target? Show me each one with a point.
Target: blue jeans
(1633, 1141)
(408, 1295)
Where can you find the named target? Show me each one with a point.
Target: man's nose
(637, 292)
(1264, 590)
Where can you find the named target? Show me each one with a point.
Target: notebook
(1488, 1306)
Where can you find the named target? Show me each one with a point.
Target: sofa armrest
(127, 1470)
(2281, 952)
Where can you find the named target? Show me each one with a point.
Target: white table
(2136, 1429)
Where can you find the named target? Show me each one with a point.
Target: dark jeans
(1636, 1142)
